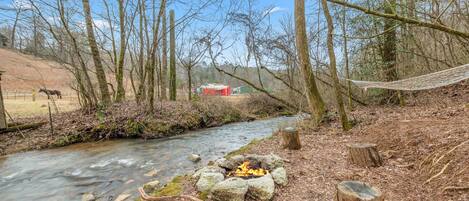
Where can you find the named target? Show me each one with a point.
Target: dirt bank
(125, 120)
(428, 136)
(416, 141)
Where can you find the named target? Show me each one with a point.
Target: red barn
(215, 90)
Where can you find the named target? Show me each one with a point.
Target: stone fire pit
(220, 182)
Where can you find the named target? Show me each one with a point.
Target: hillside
(25, 73)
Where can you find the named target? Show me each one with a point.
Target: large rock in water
(195, 158)
(280, 176)
(207, 180)
(88, 197)
(232, 189)
(261, 188)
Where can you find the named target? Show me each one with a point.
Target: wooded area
(129, 57)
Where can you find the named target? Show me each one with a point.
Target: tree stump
(357, 191)
(291, 138)
(364, 154)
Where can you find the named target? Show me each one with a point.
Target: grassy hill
(25, 72)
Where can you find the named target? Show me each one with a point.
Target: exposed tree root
(438, 174)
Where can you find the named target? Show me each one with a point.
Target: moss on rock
(172, 188)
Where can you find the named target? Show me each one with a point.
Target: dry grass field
(22, 107)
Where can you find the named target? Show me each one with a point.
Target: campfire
(248, 170)
(256, 175)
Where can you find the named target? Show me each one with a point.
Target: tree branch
(403, 19)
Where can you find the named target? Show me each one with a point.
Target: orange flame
(244, 170)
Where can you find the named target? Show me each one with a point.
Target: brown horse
(51, 93)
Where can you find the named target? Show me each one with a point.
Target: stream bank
(129, 120)
(113, 167)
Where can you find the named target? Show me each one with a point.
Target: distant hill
(25, 73)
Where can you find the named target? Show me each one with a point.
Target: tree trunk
(291, 138)
(120, 96)
(83, 71)
(316, 104)
(189, 82)
(389, 51)
(346, 59)
(139, 95)
(100, 74)
(164, 59)
(151, 66)
(357, 191)
(364, 154)
(172, 57)
(13, 30)
(332, 67)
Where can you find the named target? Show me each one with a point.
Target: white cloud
(274, 10)
(98, 23)
(101, 24)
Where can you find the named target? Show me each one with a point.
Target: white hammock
(428, 81)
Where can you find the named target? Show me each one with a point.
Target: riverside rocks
(261, 188)
(280, 176)
(88, 197)
(211, 179)
(207, 180)
(150, 186)
(232, 189)
(208, 169)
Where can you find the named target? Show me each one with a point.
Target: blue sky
(278, 10)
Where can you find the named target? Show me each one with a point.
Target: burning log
(357, 191)
(364, 154)
(291, 138)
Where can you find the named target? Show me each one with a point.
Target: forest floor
(129, 120)
(428, 136)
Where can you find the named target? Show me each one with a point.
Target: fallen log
(20, 127)
(357, 191)
(364, 154)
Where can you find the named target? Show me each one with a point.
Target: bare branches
(403, 19)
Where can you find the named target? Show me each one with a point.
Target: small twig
(451, 150)
(439, 173)
(405, 165)
(456, 188)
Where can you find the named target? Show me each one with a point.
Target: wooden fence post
(3, 119)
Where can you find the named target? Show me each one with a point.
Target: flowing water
(110, 168)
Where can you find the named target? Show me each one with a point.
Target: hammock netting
(428, 81)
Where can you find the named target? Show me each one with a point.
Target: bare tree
(191, 51)
(164, 59)
(172, 57)
(100, 74)
(333, 68)
(317, 106)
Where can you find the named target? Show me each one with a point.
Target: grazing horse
(51, 93)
